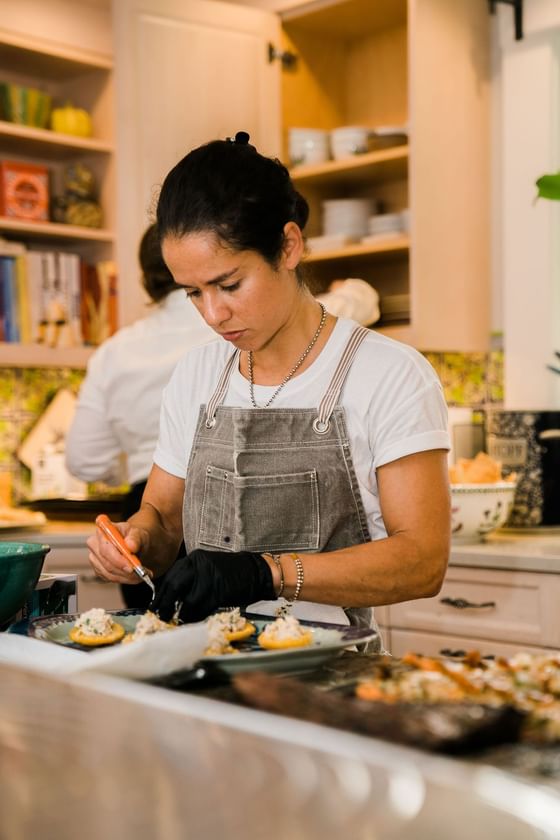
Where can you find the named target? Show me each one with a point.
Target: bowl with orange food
(481, 498)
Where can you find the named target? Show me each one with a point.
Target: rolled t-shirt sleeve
(417, 423)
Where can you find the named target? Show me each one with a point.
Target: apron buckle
(321, 427)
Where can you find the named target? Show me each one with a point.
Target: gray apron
(276, 479)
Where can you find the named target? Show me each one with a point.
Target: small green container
(25, 105)
(20, 567)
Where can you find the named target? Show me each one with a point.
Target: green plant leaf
(548, 186)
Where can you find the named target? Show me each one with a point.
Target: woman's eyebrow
(219, 279)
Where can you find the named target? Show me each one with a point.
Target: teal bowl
(20, 567)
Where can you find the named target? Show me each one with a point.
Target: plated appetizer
(96, 628)
(226, 627)
(147, 625)
(285, 632)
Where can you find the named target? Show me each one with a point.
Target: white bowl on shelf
(349, 140)
(478, 509)
(308, 145)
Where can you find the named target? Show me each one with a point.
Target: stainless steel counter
(109, 757)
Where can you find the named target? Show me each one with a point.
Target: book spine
(75, 297)
(24, 314)
(7, 274)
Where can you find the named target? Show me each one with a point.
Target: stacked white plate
(348, 216)
(308, 145)
(385, 225)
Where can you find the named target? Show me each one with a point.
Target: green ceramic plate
(55, 628)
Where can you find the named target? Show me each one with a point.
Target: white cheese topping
(284, 628)
(95, 622)
(149, 623)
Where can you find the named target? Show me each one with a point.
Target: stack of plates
(386, 225)
(347, 216)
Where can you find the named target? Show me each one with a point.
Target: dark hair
(228, 188)
(156, 277)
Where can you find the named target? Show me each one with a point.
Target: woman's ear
(293, 247)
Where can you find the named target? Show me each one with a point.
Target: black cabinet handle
(462, 604)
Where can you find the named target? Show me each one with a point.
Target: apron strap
(221, 389)
(322, 421)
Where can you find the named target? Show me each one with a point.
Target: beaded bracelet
(299, 577)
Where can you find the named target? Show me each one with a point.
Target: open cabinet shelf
(382, 165)
(85, 79)
(40, 142)
(385, 247)
(37, 355)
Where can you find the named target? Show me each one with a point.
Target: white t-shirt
(120, 398)
(392, 398)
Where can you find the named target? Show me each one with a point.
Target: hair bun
(242, 138)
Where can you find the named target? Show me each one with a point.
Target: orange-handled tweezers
(115, 537)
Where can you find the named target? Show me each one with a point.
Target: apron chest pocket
(260, 512)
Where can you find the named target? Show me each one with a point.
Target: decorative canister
(528, 443)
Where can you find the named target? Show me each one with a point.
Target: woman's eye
(192, 293)
(232, 287)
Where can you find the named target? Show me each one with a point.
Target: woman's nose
(215, 311)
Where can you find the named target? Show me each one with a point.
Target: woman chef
(299, 454)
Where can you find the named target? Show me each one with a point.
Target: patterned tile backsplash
(26, 392)
(468, 380)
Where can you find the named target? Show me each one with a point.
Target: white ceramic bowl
(349, 140)
(308, 145)
(478, 509)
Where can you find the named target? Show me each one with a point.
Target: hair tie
(240, 139)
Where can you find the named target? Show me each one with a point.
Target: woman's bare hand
(108, 563)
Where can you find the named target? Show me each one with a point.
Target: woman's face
(240, 295)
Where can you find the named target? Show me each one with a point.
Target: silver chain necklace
(297, 365)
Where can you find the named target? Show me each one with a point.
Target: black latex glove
(204, 581)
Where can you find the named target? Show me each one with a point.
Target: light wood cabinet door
(188, 71)
(484, 604)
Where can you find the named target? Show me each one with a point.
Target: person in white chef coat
(300, 455)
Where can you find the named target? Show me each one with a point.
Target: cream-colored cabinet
(419, 62)
(497, 612)
(84, 78)
(424, 63)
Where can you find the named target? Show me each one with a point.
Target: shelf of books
(58, 286)
(55, 306)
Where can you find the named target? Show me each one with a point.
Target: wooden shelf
(37, 355)
(23, 139)
(394, 246)
(54, 230)
(382, 165)
(346, 18)
(51, 61)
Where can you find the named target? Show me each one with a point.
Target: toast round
(276, 644)
(90, 640)
(244, 633)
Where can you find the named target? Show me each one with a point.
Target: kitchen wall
(468, 379)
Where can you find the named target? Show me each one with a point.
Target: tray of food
(454, 705)
(233, 642)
